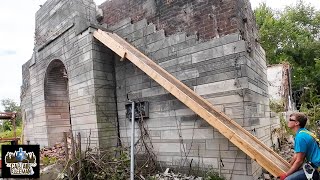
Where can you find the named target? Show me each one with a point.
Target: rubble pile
(57, 151)
(172, 176)
(286, 151)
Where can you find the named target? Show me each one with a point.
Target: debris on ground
(286, 152)
(52, 172)
(56, 151)
(172, 176)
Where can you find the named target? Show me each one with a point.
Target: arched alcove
(56, 102)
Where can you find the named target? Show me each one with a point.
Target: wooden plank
(245, 141)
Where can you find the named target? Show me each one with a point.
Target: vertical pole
(79, 149)
(132, 143)
(14, 130)
(73, 154)
(219, 163)
(67, 153)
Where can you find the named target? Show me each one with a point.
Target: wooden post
(79, 151)
(73, 153)
(14, 130)
(65, 134)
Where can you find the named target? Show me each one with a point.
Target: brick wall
(208, 18)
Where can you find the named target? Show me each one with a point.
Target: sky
(17, 24)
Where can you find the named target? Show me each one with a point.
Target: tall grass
(10, 134)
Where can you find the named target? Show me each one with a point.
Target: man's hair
(301, 118)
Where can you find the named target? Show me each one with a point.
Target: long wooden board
(240, 137)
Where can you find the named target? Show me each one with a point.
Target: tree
(292, 36)
(11, 106)
(311, 107)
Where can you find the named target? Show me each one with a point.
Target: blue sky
(17, 32)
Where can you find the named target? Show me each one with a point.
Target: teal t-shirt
(306, 144)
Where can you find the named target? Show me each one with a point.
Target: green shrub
(212, 175)
(48, 160)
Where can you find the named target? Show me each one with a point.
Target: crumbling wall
(207, 18)
(280, 86)
(221, 70)
(211, 46)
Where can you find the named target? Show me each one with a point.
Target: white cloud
(17, 18)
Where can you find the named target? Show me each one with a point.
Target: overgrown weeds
(110, 164)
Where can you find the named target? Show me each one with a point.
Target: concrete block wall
(26, 102)
(208, 45)
(105, 94)
(62, 34)
(221, 70)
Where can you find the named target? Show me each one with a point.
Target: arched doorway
(56, 102)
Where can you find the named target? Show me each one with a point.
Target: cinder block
(207, 54)
(195, 133)
(234, 47)
(217, 144)
(166, 147)
(211, 162)
(228, 85)
(157, 36)
(121, 24)
(177, 61)
(209, 44)
(186, 74)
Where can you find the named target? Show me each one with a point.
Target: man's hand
(283, 176)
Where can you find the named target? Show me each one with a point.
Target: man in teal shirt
(305, 147)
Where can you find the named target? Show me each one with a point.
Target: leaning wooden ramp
(240, 137)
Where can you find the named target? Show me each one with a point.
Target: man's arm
(296, 163)
(293, 159)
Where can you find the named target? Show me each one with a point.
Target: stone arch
(57, 107)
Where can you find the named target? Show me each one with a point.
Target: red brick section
(209, 18)
(247, 23)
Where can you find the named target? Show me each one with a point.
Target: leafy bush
(311, 107)
(277, 106)
(212, 175)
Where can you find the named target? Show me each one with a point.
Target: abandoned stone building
(73, 81)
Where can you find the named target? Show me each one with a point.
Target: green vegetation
(107, 165)
(311, 107)
(48, 160)
(10, 134)
(6, 128)
(212, 175)
(292, 36)
(277, 107)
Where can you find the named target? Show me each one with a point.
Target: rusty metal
(7, 115)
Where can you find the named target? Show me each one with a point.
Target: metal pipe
(132, 143)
